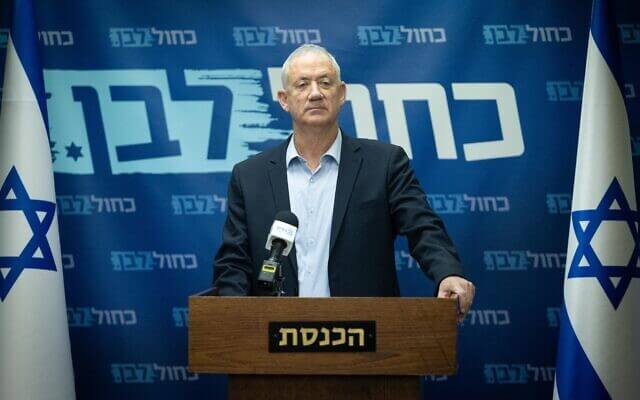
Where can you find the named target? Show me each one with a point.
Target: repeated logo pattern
(150, 108)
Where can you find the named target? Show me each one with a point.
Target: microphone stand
(278, 282)
(271, 277)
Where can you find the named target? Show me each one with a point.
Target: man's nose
(315, 93)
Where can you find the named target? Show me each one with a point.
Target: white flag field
(598, 351)
(35, 355)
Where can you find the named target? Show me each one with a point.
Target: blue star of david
(596, 269)
(20, 201)
(74, 151)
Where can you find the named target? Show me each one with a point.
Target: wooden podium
(326, 355)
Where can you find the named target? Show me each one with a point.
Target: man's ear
(343, 89)
(282, 99)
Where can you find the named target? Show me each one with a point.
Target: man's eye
(301, 85)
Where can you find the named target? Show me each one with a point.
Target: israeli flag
(35, 355)
(598, 349)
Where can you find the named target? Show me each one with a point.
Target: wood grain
(415, 336)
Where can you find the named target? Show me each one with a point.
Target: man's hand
(453, 287)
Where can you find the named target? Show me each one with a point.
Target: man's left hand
(453, 287)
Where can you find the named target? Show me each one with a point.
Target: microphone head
(284, 229)
(287, 217)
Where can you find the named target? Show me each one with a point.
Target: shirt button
(311, 180)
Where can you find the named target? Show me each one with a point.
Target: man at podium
(351, 197)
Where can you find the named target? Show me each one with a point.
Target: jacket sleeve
(412, 217)
(232, 263)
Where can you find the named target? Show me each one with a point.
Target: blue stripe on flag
(23, 34)
(605, 34)
(575, 376)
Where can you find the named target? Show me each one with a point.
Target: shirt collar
(334, 151)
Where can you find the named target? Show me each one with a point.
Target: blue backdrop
(151, 103)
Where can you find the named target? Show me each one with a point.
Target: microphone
(279, 243)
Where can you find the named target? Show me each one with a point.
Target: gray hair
(305, 49)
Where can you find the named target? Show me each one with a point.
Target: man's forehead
(312, 64)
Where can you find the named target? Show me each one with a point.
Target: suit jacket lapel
(350, 161)
(280, 189)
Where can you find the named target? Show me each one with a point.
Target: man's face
(313, 95)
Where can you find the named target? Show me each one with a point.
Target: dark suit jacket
(377, 197)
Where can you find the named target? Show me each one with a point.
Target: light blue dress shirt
(311, 196)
